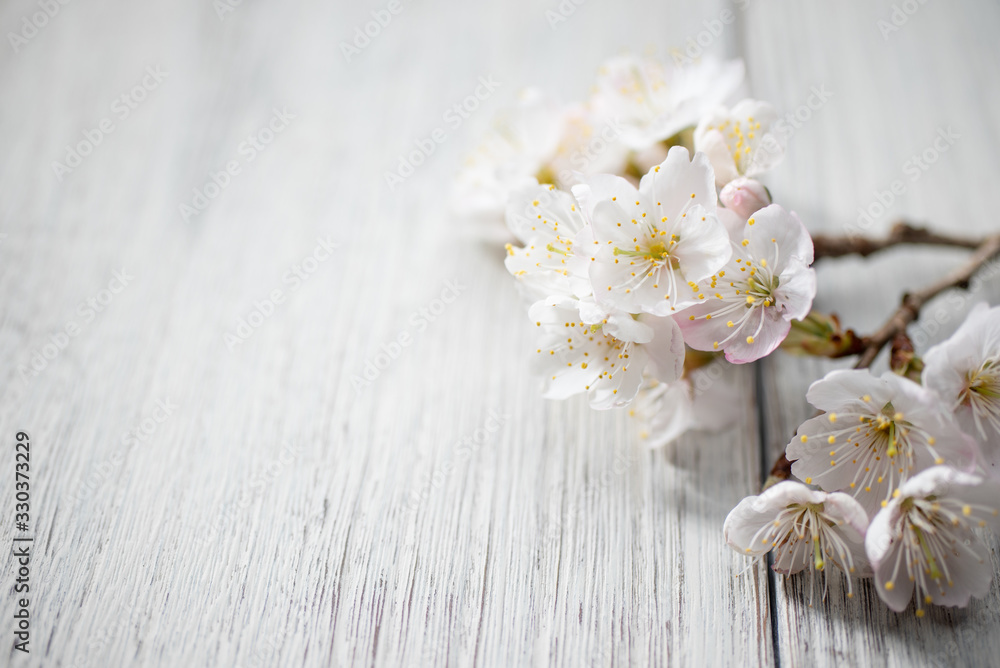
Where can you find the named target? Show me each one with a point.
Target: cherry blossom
(923, 539)
(653, 243)
(587, 349)
(746, 309)
(965, 372)
(740, 142)
(875, 433)
(804, 527)
(654, 100)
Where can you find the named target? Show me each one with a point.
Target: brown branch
(896, 325)
(912, 302)
(901, 233)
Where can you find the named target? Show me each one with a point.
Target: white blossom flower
(876, 433)
(587, 349)
(653, 243)
(924, 539)
(965, 372)
(655, 100)
(515, 154)
(590, 144)
(805, 528)
(747, 308)
(740, 142)
(666, 411)
(538, 141)
(551, 226)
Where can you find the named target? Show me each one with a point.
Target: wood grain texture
(283, 515)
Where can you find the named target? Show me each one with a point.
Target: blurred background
(202, 257)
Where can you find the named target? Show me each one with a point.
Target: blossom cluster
(647, 249)
(656, 241)
(897, 476)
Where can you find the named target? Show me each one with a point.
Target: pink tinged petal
(777, 226)
(767, 328)
(744, 197)
(767, 340)
(796, 290)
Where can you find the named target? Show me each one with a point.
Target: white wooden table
(200, 502)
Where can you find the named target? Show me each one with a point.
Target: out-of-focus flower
(654, 100)
(537, 141)
(550, 224)
(923, 539)
(875, 434)
(515, 154)
(653, 243)
(739, 142)
(746, 308)
(965, 372)
(805, 528)
(587, 349)
(666, 411)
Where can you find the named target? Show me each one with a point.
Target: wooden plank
(891, 97)
(267, 519)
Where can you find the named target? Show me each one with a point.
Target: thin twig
(912, 302)
(901, 233)
(907, 312)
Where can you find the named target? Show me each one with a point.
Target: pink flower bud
(744, 196)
